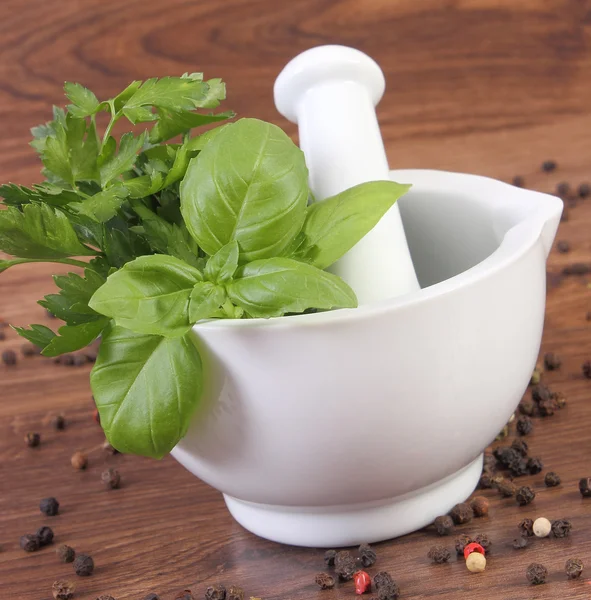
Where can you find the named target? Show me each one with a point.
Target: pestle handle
(331, 93)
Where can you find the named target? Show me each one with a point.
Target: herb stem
(115, 116)
(64, 261)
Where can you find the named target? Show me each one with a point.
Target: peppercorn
(524, 425)
(484, 541)
(473, 547)
(485, 481)
(518, 181)
(65, 554)
(44, 535)
(461, 513)
(542, 527)
(561, 528)
(479, 505)
(111, 478)
(563, 247)
(324, 580)
(389, 591)
(518, 467)
(152, 597)
(329, 557)
(586, 368)
(215, 592)
(439, 554)
(535, 466)
(563, 189)
(521, 446)
(476, 562)
(362, 582)
(541, 392)
(548, 166)
(49, 506)
(185, 595)
(29, 543)
(2, 335)
(552, 361)
(497, 480)
(461, 542)
(577, 269)
(551, 479)
(506, 455)
(536, 573)
(83, 565)
(507, 489)
(559, 400)
(9, 358)
(67, 360)
(63, 590)
(520, 543)
(79, 461)
(79, 360)
(444, 525)
(527, 407)
(345, 566)
(32, 439)
(367, 555)
(381, 579)
(573, 568)
(109, 597)
(524, 495)
(526, 527)
(585, 487)
(546, 408)
(59, 422)
(235, 593)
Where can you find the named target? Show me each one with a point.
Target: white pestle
(331, 93)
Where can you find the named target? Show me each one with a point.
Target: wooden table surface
(486, 86)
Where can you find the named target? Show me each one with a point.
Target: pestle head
(323, 64)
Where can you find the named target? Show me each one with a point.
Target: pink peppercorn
(473, 547)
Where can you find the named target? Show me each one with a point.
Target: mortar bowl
(361, 425)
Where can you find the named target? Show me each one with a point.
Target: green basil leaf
(39, 335)
(248, 184)
(223, 264)
(275, 286)
(198, 143)
(333, 226)
(206, 300)
(84, 102)
(75, 337)
(103, 206)
(124, 160)
(146, 389)
(39, 231)
(149, 295)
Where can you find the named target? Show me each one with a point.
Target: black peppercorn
(563, 247)
(520, 543)
(507, 489)
(59, 422)
(535, 466)
(479, 505)
(235, 593)
(109, 597)
(551, 479)
(28, 350)
(324, 581)
(563, 189)
(527, 407)
(536, 573)
(215, 592)
(329, 557)
(111, 478)
(551, 360)
(79, 360)
(63, 590)
(521, 446)
(390, 591)
(49, 506)
(65, 554)
(83, 565)
(519, 467)
(526, 527)
(444, 525)
(586, 368)
(185, 595)
(152, 597)
(439, 554)
(67, 360)
(506, 455)
(484, 541)
(585, 487)
(561, 528)
(485, 481)
(381, 579)
(573, 568)
(546, 408)
(9, 358)
(44, 535)
(518, 181)
(548, 166)
(541, 392)
(524, 495)
(577, 269)
(524, 425)
(461, 542)
(461, 513)
(584, 190)
(32, 439)
(345, 566)
(367, 555)
(29, 542)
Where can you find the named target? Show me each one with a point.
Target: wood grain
(486, 86)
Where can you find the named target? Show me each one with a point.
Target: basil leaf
(198, 142)
(84, 102)
(275, 286)
(75, 337)
(149, 295)
(124, 160)
(206, 300)
(39, 231)
(146, 389)
(39, 335)
(102, 206)
(248, 184)
(222, 265)
(333, 226)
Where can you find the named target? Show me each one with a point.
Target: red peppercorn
(362, 582)
(473, 547)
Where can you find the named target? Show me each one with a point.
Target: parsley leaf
(39, 335)
(103, 206)
(75, 337)
(84, 102)
(124, 160)
(172, 123)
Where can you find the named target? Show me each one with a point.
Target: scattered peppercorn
(65, 554)
(215, 592)
(345, 566)
(473, 547)
(546, 408)
(444, 525)
(367, 555)
(585, 487)
(536, 573)
(520, 543)
(549, 165)
(362, 582)
(573, 568)
(111, 478)
(521, 446)
(524, 425)
(29, 542)
(518, 181)
(439, 554)
(563, 189)
(2, 335)
(185, 595)
(235, 593)
(551, 360)
(476, 562)
(79, 461)
(63, 590)
(586, 368)
(79, 360)
(390, 591)
(28, 350)
(507, 489)
(44, 535)
(542, 527)
(479, 505)
(329, 557)
(584, 190)
(497, 480)
(49, 506)
(485, 481)
(152, 597)
(461, 513)
(527, 407)
(484, 541)
(59, 422)
(541, 392)
(563, 246)
(324, 581)
(9, 358)
(526, 527)
(524, 495)
(518, 468)
(535, 466)
(577, 269)
(109, 597)
(32, 439)
(83, 565)
(381, 579)
(461, 542)
(551, 479)
(561, 528)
